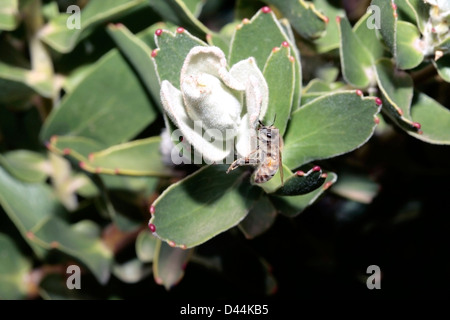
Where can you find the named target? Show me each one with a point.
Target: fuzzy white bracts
(225, 103)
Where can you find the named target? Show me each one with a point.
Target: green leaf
(138, 158)
(316, 88)
(63, 39)
(388, 23)
(308, 97)
(78, 148)
(356, 60)
(420, 9)
(87, 228)
(396, 85)
(330, 40)
(284, 23)
(14, 269)
(76, 77)
(201, 206)
(409, 52)
(397, 89)
(17, 81)
(321, 86)
(356, 187)
(139, 55)
(260, 218)
(279, 73)
(169, 264)
(116, 115)
(292, 206)
(369, 37)
(442, 65)
(217, 40)
(54, 287)
(9, 15)
(50, 10)
(306, 20)
(301, 183)
(25, 165)
(40, 204)
(143, 185)
(248, 42)
(444, 45)
(171, 53)
(38, 220)
(146, 245)
(55, 233)
(433, 117)
(405, 11)
(328, 126)
(181, 12)
(131, 271)
(294, 184)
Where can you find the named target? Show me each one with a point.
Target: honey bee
(267, 156)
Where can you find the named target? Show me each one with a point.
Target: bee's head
(262, 126)
(267, 132)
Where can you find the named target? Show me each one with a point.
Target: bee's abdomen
(262, 176)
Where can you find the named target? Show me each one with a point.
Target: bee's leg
(251, 160)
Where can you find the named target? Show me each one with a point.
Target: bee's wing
(280, 149)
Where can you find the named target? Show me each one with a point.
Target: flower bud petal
(172, 101)
(256, 89)
(208, 100)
